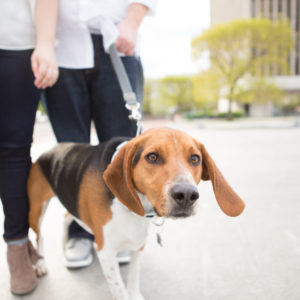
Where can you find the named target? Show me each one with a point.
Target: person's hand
(126, 41)
(128, 28)
(44, 66)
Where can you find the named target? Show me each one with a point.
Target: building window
(253, 10)
(289, 9)
(279, 7)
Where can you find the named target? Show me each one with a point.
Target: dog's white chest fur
(126, 230)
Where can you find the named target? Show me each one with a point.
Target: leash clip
(135, 114)
(134, 111)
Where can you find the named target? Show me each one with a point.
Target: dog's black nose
(184, 194)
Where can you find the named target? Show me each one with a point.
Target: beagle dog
(108, 192)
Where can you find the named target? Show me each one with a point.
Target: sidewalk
(210, 256)
(247, 123)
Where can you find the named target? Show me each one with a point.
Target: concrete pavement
(210, 256)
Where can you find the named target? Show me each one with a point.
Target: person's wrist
(136, 14)
(45, 44)
(132, 23)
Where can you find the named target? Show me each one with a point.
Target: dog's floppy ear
(118, 178)
(231, 204)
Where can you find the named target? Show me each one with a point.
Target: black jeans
(18, 104)
(80, 96)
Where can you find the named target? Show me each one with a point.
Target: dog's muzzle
(183, 195)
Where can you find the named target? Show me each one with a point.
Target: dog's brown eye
(195, 159)
(152, 158)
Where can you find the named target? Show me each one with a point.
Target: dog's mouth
(181, 215)
(175, 214)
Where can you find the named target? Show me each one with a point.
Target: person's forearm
(46, 12)
(43, 60)
(135, 14)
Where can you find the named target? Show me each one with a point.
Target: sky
(166, 37)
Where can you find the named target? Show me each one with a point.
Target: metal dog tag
(158, 239)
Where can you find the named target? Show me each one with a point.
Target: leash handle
(129, 95)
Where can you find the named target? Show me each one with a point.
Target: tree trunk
(229, 113)
(230, 99)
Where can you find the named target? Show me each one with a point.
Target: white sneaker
(123, 257)
(78, 253)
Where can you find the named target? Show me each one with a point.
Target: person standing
(28, 64)
(87, 89)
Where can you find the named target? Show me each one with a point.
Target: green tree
(177, 92)
(260, 90)
(148, 96)
(241, 49)
(206, 86)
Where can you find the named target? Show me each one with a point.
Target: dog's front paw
(136, 297)
(123, 295)
(40, 267)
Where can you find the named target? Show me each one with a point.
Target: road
(210, 256)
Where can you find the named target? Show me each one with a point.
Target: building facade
(227, 10)
(222, 11)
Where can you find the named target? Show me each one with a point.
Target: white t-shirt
(77, 19)
(17, 31)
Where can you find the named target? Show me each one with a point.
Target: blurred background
(228, 73)
(203, 54)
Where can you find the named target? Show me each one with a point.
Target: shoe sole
(21, 293)
(78, 264)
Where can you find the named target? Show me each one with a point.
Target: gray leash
(132, 104)
(130, 97)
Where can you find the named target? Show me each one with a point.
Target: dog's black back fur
(65, 164)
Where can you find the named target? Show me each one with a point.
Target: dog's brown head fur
(166, 166)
